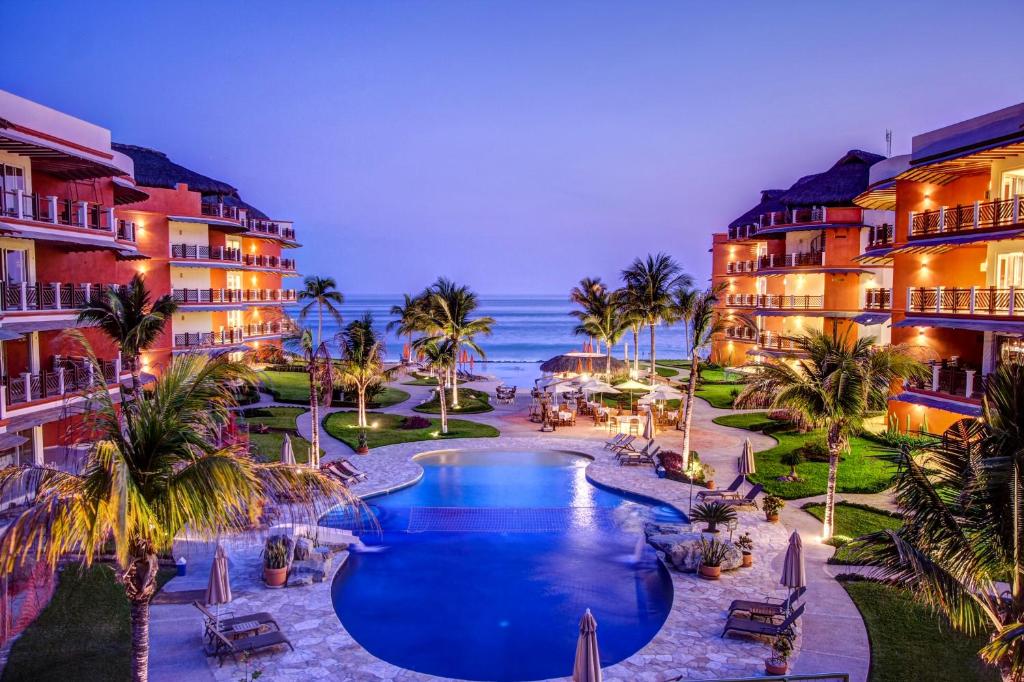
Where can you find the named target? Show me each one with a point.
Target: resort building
(958, 259)
(79, 214)
(803, 259)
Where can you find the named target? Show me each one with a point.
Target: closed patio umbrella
(746, 464)
(793, 575)
(587, 667)
(649, 425)
(218, 590)
(287, 453)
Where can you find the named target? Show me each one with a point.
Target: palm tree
(836, 384)
(447, 311)
(706, 323)
(154, 472)
(320, 293)
(362, 361)
(440, 356)
(126, 315)
(605, 323)
(321, 387)
(633, 317)
(590, 295)
(683, 301)
(409, 317)
(651, 282)
(963, 510)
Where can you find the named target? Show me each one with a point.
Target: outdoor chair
(732, 491)
(615, 441)
(351, 469)
(332, 469)
(635, 458)
(747, 626)
(748, 500)
(766, 608)
(625, 445)
(224, 647)
(645, 451)
(226, 621)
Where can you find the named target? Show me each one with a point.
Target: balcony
(740, 266)
(777, 342)
(789, 302)
(971, 301)
(220, 211)
(69, 375)
(269, 227)
(64, 212)
(743, 232)
(952, 381)
(233, 336)
(745, 334)
(200, 252)
(981, 215)
(881, 236)
(791, 260)
(25, 297)
(878, 299)
(187, 297)
(741, 300)
(796, 216)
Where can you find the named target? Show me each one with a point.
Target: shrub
(814, 451)
(792, 459)
(276, 551)
(772, 505)
(712, 513)
(745, 543)
(414, 423)
(673, 464)
(712, 553)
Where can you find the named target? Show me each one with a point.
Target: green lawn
(862, 470)
(751, 421)
(853, 521)
(268, 445)
(719, 395)
(423, 380)
(293, 387)
(83, 634)
(665, 371)
(682, 364)
(911, 642)
(341, 425)
(471, 401)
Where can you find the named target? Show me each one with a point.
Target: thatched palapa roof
(565, 363)
(769, 202)
(154, 169)
(837, 186)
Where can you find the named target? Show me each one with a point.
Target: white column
(935, 376)
(117, 367)
(938, 299)
(56, 294)
(20, 198)
(969, 383)
(27, 377)
(1010, 306)
(60, 381)
(53, 209)
(942, 219)
(910, 224)
(83, 213)
(23, 296)
(112, 221)
(37, 446)
(1016, 208)
(974, 293)
(33, 352)
(977, 214)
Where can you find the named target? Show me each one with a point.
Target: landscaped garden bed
(471, 401)
(853, 521)
(387, 429)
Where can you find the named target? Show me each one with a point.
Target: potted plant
(712, 513)
(712, 554)
(778, 662)
(771, 506)
(709, 476)
(275, 560)
(363, 447)
(746, 545)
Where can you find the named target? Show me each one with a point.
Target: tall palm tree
(590, 295)
(629, 311)
(320, 293)
(963, 511)
(126, 315)
(362, 361)
(447, 311)
(408, 317)
(152, 473)
(319, 367)
(837, 383)
(439, 354)
(605, 323)
(683, 301)
(706, 323)
(651, 282)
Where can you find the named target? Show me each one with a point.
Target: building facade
(80, 214)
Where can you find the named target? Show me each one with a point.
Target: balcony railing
(211, 296)
(270, 227)
(795, 216)
(878, 299)
(789, 302)
(741, 334)
(219, 210)
(231, 336)
(25, 296)
(200, 252)
(740, 266)
(791, 260)
(881, 236)
(1007, 302)
(951, 380)
(981, 215)
(741, 300)
(774, 341)
(62, 211)
(68, 375)
(742, 232)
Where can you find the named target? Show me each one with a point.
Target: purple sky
(514, 146)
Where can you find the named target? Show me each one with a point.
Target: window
(15, 266)
(1010, 270)
(12, 178)
(234, 318)
(1013, 184)
(234, 279)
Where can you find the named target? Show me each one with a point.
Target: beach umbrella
(793, 575)
(287, 453)
(590, 365)
(649, 425)
(587, 667)
(218, 590)
(632, 386)
(579, 366)
(746, 464)
(665, 393)
(406, 354)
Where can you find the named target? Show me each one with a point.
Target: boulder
(682, 551)
(299, 579)
(303, 548)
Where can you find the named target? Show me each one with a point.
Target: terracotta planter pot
(709, 572)
(362, 451)
(275, 577)
(774, 667)
(748, 560)
(772, 518)
(710, 485)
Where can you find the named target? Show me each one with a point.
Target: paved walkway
(688, 646)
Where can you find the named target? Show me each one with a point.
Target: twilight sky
(515, 146)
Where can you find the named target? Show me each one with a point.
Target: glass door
(15, 266)
(1010, 270)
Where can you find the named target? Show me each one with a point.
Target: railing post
(54, 218)
(974, 293)
(88, 293)
(23, 296)
(20, 198)
(56, 295)
(977, 214)
(910, 225)
(942, 219)
(910, 297)
(936, 368)
(83, 213)
(1009, 307)
(27, 378)
(1016, 208)
(117, 368)
(60, 380)
(112, 221)
(3, 402)
(969, 383)
(938, 299)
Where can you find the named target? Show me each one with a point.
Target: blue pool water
(482, 570)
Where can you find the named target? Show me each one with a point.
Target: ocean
(528, 330)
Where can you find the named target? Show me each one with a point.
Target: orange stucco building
(79, 214)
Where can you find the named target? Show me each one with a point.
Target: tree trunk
(455, 381)
(139, 580)
(654, 372)
(608, 363)
(140, 640)
(691, 389)
(314, 414)
(636, 355)
(834, 445)
(136, 374)
(319, 323)
(361, 397)
(444, 409)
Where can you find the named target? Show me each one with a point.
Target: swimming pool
(482, 570)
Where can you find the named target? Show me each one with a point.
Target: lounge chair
(333, 469)
(615, 441)
(747, 626)
(225, 624)
(767, 608)
(351, 469)
(748, 500)
(624, 445)
(732, 491)
(224, 647)
(646, 455)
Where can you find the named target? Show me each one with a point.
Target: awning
(11, 440)
(804, 227)
(965, 322)
(62, 322)
(209, 220)
(947, 241)
(872, 318)
(881, 256)
(73, 241)
(125, 192)
(928, 400)
(804, 312)
(8, 335)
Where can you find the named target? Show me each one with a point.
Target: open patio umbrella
(631, 387)
(665, 393)
(793, 575)
(287, 453)
(218, 590)
(746, 464)
(587, 667)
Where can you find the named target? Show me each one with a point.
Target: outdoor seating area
(505, 395)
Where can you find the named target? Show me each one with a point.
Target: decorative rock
(303, 548)
(683, 551)
(297, 579)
